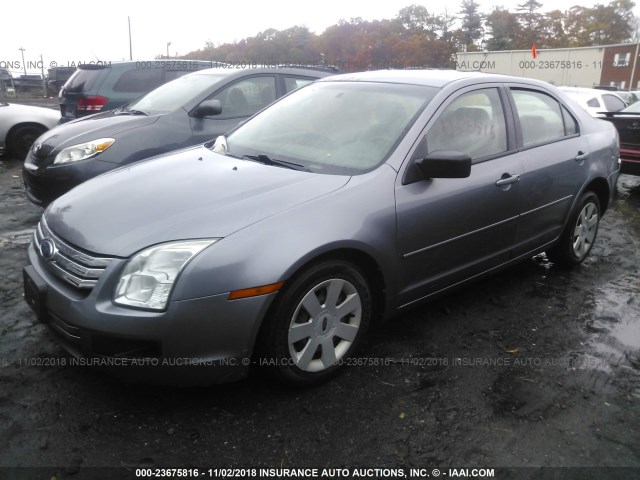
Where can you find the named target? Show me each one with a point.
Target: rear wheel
(580, 234)
(317, 324)
(21, 139)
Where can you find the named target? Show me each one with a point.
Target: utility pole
(130, 47)
(168, 43)
(24, 65)
(44, 82)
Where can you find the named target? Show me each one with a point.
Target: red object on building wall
(534, 52)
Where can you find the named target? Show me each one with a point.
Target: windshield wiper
(131, 111)
(267, 160)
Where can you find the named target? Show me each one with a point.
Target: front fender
(359, 216)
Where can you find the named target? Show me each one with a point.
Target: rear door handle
(581, 157)
(508, 180)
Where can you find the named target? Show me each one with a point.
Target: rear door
(554, 157)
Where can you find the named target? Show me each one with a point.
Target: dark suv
(107, 85)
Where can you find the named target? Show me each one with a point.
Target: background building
(614, 65)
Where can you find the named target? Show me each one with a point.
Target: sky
(71, 32)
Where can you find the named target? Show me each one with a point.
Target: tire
(316, 324)
(21, 139)
(580, 233)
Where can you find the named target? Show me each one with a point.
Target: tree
(530, 22)
(417, 20)
(416, 37)
(576, 27)
(601, 25)
(504, 28)
(552, 30)
(471, 29)
(445, 24)
(529, 6)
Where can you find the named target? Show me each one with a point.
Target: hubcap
(585, 230)
(324, 325)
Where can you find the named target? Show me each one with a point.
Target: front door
(453, 229)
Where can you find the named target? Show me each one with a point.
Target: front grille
(77, 268)
(40, 152)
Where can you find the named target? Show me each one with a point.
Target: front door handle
(507, 180)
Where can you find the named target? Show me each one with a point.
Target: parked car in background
(107, 85)
(611, 88)
(595, 101)
(354, 197)
(20, 125)
(627, 122)
(190, 110)
(629, 97)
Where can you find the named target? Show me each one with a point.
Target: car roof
(224, 71)
(168, 64)
(430, 77)
(588, 91)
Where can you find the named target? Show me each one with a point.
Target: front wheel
(21, 139)
(317, 324)
(580, 233)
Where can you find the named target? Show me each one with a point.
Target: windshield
(633, 108)
(342, 128)
(175, 94)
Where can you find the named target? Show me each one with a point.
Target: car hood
(102, 125)
(190, 194)
(17, 113)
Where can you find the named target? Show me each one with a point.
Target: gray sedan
(350, 199)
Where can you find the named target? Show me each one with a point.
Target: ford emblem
(47, 248)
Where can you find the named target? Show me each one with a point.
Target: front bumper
(194, 342)
(43, 184)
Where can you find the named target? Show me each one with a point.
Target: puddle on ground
(615, 316)
(612, 319)
(22, 237)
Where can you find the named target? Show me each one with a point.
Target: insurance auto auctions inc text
(305, 473)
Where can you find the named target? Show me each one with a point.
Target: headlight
(148, 278)
(82, 151)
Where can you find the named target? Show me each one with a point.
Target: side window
(541, 117)
(613, 103)
(246, 97)
(139, 80)
(293, 83)
(473, 124)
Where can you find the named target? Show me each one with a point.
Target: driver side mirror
(207, 108)
(444, 164)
